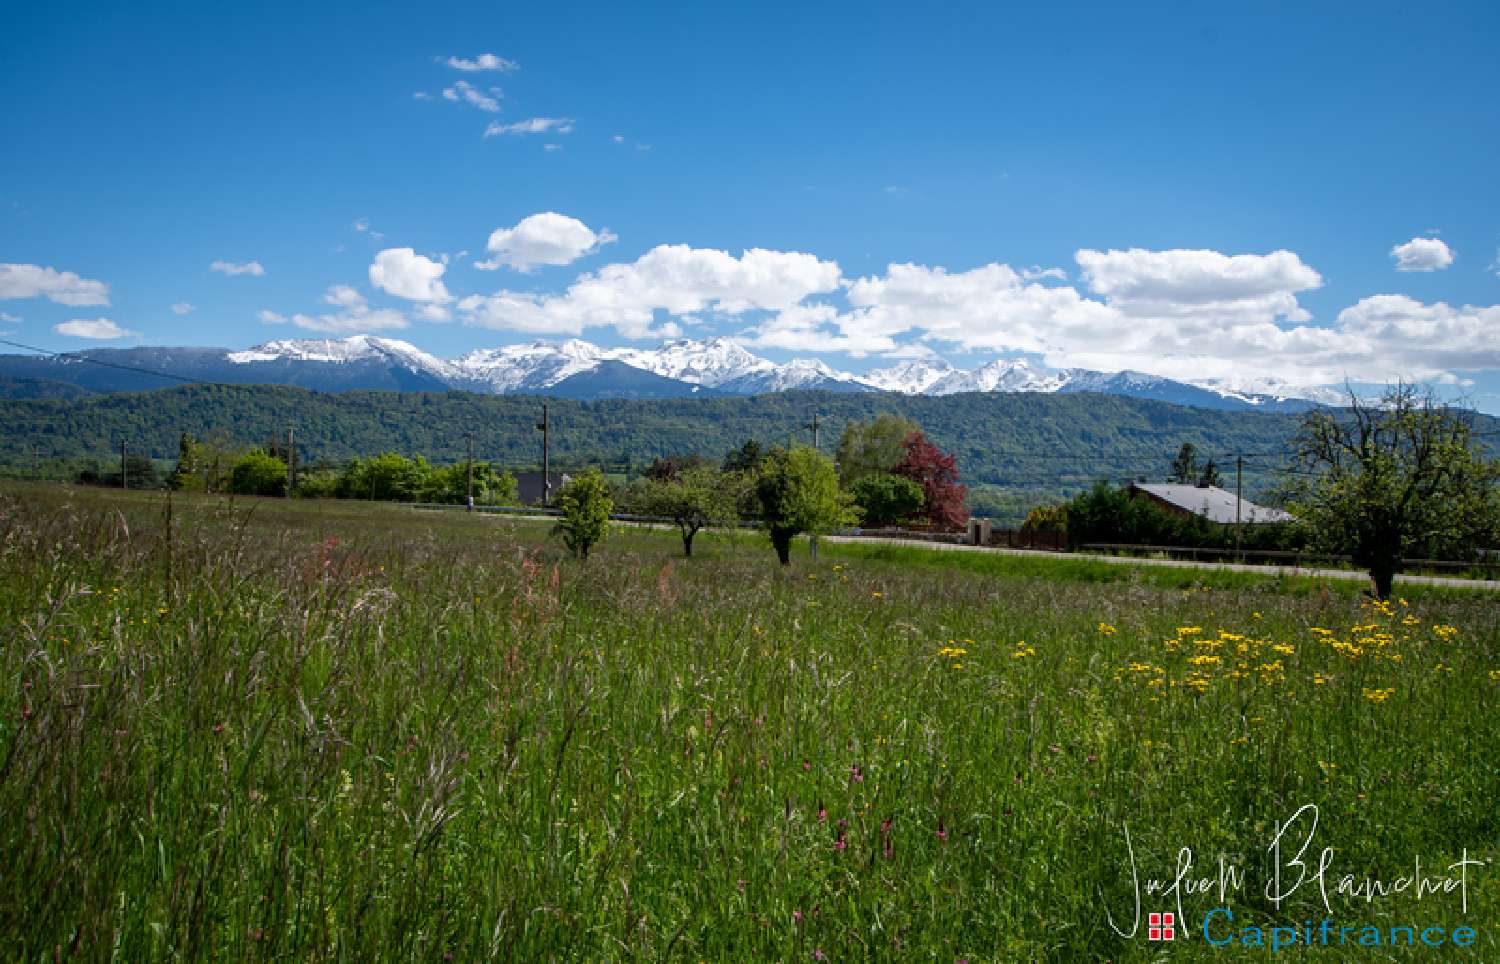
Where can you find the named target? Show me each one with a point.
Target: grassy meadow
(309, 731)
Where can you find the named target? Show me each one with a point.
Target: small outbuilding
(1209, 501)
(530, 486)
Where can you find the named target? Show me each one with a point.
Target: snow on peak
(913, 377)
(709, 363)
(723, 363)
(342, 350)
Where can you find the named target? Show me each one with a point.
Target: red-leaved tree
(937, 473)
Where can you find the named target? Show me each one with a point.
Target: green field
(262, 729)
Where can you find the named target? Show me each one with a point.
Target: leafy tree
(799, 492)
(886, 499)
(389, 476)
(1210, 474)
(746, 458)
(1396, 478)
(1185, 465)
(665, 470)
(937, 473)
(586, 503)
(873, 446)
(257, 473)
(1046, 518)
(693, 498)
(449, 485)
(186, 475)
(140, 471)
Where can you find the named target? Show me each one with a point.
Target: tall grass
(316, 731)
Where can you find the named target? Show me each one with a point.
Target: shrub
(258, 474)
(886, 499)
(586, 503)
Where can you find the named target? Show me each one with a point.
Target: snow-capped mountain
(910, 377)
(343, 350)
(709, 363)
(1001, 375)
(582, 370)
(799, 374)
(527, 368)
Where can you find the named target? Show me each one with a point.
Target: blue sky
(1191, 189)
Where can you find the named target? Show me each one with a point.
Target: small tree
(799, 492)
(1185, 465)
(1396, 477)
(874, 446)
(1210, 474)
(886, 499)
(937, 473)
(258, 474)
(746, 458)
(1046, 518)
(186, 476)
(586, 503)
(692, 498)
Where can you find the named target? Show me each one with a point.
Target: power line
(78, 356)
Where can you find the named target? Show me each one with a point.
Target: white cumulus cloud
(533, 125)
(62, 287)
(99, 329)
(404, 273)
(547, 238)
(343, 296)
(463, 91)
(270, 317)
(182, 308)
(482, 62)
(1422, 254)
(1199, 286)
(1189, 315)
(675, 279)
(233, 268)
(353, 322)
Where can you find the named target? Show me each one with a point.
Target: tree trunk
(782, 540)
(1383, 575)
(687, 541)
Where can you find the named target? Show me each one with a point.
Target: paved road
(1304, 571)
(1179, 563)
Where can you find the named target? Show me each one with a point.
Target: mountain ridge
(678, 367)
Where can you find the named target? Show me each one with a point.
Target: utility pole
(291, 461)
(814, 426)
(545, 426)
(1239, 530)
(470, 503)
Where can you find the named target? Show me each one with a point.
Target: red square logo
(1161, 927)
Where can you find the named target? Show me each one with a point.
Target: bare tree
(1396, 477)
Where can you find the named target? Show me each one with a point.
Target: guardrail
(1281, 556)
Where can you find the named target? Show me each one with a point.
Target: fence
(1285, 557)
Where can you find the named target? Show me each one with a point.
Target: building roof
(1213, 503)
(529, 485)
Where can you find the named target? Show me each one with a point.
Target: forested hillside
(1008, 440)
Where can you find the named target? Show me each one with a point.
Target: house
(1209, 501)
(529, 486)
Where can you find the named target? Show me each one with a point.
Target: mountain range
(580, 370)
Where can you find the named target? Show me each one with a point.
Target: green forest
(1013, 450)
